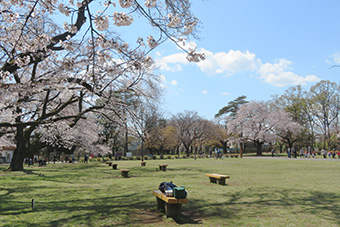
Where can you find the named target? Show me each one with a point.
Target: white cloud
(229, 63)
(205, 92)
(172, 62)
(335, 59)
(225, 93)
(174, 82)
(279, 74)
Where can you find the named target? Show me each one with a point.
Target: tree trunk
(241, 149)
(19, 152)
(258, 148)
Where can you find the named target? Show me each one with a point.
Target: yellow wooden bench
(170, 205)
(124, 172)
(217, 177)
(162, 167)
(109, 163)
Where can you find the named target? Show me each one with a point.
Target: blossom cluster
(152, 42)
(122, 19)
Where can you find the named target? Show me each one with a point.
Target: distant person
(301, 152)
(324, 153)
(338, 152)
(289, 152)
(86, 158)
(333, 153)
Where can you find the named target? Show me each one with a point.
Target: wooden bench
(125, 172)
(217, 177)
(142, 163)
(169, 205)
(162, 167)
(233, 155)
(109, 163)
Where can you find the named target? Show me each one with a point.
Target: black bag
(166, 186)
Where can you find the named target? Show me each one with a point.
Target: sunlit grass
(260, 192)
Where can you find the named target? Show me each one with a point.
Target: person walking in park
(329, 154)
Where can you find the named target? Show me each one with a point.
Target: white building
(6, 150)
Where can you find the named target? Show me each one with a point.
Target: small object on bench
(114, 166)
(124, 172)
(162, 167)
(142, 163)
(170, 205)
(217, 177)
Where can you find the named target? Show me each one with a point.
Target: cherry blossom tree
(256, 122)
(45, 68)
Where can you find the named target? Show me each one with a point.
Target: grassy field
(260, 192)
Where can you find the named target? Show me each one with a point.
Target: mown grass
(260, 192)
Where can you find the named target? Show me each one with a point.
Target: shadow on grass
(121, 210)
(79, 211)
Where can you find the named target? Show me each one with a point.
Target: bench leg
(160, 205)
(172, 210)
(125, 174)
(221, 181)
(212, 180)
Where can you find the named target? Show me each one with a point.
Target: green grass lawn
(260, 192)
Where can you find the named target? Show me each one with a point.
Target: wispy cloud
(335, 59)
(174, 82)
(205, 92)
(234, 61)
(279, 74)
(225, 93)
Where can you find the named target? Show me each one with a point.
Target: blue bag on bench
(166, 186)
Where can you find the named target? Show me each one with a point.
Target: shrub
(138, 158)
(146, 158)
(176, 156)
(154, 157)
(169, 156)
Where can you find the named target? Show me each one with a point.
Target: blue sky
(253, 48)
